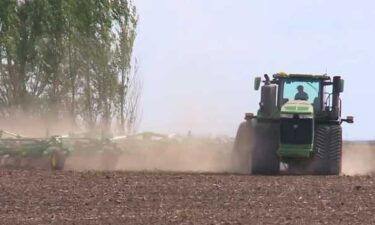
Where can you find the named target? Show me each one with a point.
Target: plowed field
(42, 197)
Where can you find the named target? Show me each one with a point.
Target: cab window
(302, 89)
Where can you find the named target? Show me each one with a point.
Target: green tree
(60, 61)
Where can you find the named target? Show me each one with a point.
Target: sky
(198, 58)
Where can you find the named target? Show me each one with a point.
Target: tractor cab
(301, 89)
(296, 94)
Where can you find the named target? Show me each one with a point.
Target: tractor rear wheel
(327, 150)
(265, 160)
(243, 147)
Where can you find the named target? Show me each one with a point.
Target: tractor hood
(296, 132)
(297, 107)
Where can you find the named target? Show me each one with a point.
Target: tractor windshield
(301, 89)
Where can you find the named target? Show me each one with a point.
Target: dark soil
(42, 197)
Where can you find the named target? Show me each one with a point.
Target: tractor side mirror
(342, 82)
(257, 81)
(349, 119)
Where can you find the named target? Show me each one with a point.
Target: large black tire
(335, 151)
(57, 160)
(319, 163)
(265, 160)
(243, 145)
(327, 150)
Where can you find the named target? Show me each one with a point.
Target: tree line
(69, 59)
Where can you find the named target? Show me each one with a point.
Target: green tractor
(298, 127)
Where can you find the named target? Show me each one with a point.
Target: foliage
(69, 59)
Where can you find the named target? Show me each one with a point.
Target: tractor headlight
(305, 116)
(287, 116)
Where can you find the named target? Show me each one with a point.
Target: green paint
(295, 151)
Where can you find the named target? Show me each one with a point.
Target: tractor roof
(309, 76)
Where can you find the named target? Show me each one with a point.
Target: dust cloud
(177, 157)
(37, 128)
(358, 159)
(193, 160)
(194, 155)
